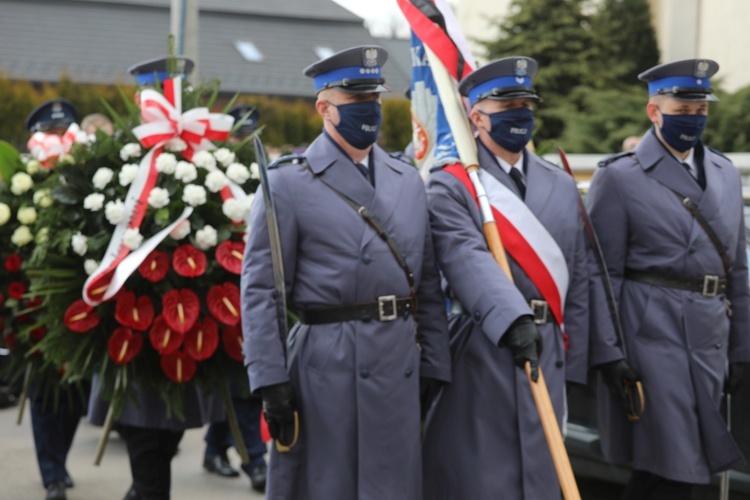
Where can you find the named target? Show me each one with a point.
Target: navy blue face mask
(682, 132)
(359, 122)
(511, 129)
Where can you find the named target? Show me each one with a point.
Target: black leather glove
(428, 391)
(525, 342)
(616, 374)
(278, 406)
(736, 371)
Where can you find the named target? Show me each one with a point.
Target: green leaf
(67, 195)
(10, 161)
(161, 217)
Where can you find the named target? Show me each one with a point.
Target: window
(248, 51)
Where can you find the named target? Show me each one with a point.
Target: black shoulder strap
(380, 230)
(701, 220)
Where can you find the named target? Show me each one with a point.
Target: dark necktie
(363, 170)
(699, 179)
(517, 177)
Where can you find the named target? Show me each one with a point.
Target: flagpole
(455, 114)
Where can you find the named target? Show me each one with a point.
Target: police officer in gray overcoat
(372, 325)
(483, 437)
(669, 216)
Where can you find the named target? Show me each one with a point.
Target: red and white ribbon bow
(163, 121)
(45, 148)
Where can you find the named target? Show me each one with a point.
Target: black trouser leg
(150, 452)
(647, 486)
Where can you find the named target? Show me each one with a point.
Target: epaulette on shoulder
(716, 151)
(403, 157)
(612, 158)
(287, 160)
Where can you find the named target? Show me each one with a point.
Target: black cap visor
(507, 93)
(689, 94)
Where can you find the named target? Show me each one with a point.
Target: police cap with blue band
(686, 80)
(356, 70)
(250, 124)
(153, 70)
(507, 78)
(57, 113)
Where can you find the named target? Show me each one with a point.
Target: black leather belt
(708, 285)
(386, 308)
(541, 311)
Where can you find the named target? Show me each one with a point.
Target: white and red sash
(163, 120)
(525, 239)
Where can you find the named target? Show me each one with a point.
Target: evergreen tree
(555, 33)
(625, 42)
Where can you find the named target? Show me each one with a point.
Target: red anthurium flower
(203, 339)
(11, 340)
(155, 267)
(178, 366)
(229, 256)
(180, 309)
(124, 345)
(231, 338)
(163, 337)
(16, 289)
(188, 261)
(13, 263)
(80, 317)
(224, 303)
(33, 303)
(138, 313)
(38, 333)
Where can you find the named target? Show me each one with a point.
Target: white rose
(21, 236)
(245, 236)
(254, 171)
(20, 183)
(90, 265)
(158, 198)
(234, 209)
(224, 156)
(33, 167)
(166, 163)
(194, 195)
(26, 215)
(94, 202)
(79, 243)
(176, 144)
(4, 214)
(128, 172)
(238, 173)
(186, 172)
(102, 177)
(204, 159)
(43, 198)
(180, 230)
(206, 238)
(114, 211)
(216, 181)
(132, 238)
(42, 235)
(131, 150)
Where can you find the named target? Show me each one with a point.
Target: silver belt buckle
(540, 308)
(710, 285)
(387, 301)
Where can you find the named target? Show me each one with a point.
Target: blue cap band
(152, 77)
(669, 82)
(351, 73)
(498, 83)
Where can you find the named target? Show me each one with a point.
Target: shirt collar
(507, 166)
